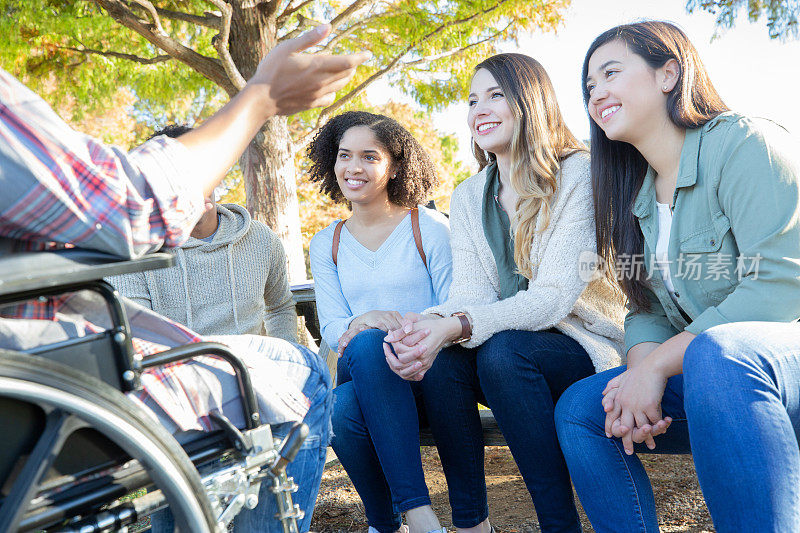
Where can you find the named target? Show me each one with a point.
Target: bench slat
(491, 433)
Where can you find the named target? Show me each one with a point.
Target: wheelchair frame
(72, 401)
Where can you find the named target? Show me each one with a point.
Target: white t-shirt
(662, 247)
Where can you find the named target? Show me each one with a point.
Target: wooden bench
(306, 306)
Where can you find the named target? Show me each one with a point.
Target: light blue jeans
(738, 401)
(310, 373)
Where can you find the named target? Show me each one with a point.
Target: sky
(754, 75)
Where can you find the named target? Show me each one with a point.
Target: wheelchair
(77, 455)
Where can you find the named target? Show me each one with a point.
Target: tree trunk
(268, 163)
(271, 189)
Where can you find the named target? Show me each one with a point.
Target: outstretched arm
(285, 83)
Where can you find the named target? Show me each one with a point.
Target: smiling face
(363, 166)
(627, 98)
(490, 118)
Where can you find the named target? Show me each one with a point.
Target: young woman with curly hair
(368, 271)
(699, 209)
(522, 322)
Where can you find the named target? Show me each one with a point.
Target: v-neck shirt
(390, 278)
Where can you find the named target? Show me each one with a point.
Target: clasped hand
(411, 349)
(632, 402)
(383, 320)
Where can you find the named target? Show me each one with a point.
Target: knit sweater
(391, 278)
(557, 295)
(235, 284)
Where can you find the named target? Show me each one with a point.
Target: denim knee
(579, 409)
(319, 392)
(365, 348)
(573, 409)
(497, 356)
(446, 365)
(734, 340)
(723, 348)
(712, 360)
(346, 413)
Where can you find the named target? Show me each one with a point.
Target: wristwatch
(466, 327)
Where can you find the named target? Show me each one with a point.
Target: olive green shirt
(734, 248)
(497, 229)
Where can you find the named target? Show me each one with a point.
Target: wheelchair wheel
(69, 400)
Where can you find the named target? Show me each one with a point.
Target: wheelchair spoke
(58, 426)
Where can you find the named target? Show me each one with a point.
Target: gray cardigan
(558, 294)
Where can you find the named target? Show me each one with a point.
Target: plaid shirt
(63, 188)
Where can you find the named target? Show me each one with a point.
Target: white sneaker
(403, 529)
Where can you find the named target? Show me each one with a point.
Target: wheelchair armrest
(252, 418)
(37, 270)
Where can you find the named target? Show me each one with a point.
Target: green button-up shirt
(734, 247)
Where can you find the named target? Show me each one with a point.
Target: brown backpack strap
(418, 235)
(335, 247)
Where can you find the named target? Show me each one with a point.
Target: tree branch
(119, 55)
(345, 15)
(348, 31)
(222, 45)
(281, 19)
(209, 20)
(457, 51)
(304, 22)
(394, 64)
(151, 10)
(207, 66)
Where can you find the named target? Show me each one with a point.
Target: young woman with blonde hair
(522, 321)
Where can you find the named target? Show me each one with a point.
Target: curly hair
(171, 130)
(415, 174)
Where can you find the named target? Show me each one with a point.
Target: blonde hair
(539, 143)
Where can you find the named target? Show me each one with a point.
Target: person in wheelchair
(62, 188)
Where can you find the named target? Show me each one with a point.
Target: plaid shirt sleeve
(60, 186)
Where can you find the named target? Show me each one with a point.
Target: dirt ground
(678, 499)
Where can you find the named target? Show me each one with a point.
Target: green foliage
(72, 51)
(781, 15)
(425, 49)
(41, 45)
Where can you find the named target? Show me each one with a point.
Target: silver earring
(664, 88)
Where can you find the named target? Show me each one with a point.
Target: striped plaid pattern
(62, 188)
(70, 188)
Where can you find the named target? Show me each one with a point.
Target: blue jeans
(310, 373)
(738, 400)
(376, 432)
(519, 375)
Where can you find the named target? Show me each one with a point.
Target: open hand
(295, 82)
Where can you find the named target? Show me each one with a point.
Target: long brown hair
(618, 169)
(539, 143)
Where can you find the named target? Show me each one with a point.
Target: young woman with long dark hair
(521, 322)
(698, 213)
